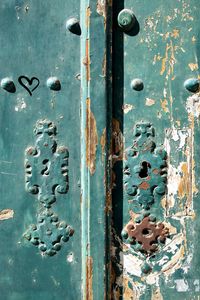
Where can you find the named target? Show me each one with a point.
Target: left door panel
(40, 218)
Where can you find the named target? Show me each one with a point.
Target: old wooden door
(49, 250)
(156, 107)
(99, 149)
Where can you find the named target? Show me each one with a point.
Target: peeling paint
(86, 60)
(128, 107)
(164, 105)
(156, 294)
(103, 144)
(118, 142)
(193, 66)
(193, 105)
(149, 102)
(89, 278)
(101, 8)
(6, 214)
(91, 139)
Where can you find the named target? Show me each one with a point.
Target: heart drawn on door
(24, 81)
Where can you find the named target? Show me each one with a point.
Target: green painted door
(52, 150)
(99, 147)
(156, 150)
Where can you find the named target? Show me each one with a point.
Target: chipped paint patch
(128, 107)
(149, 102)
(101, 8)
(164, 105)
(193, 66)
(193, 105)
(103, 144)
(86, 60)
(89, 278)
(156, 294)
(130, 291)
(6, 214)
(21, 105)
(91, 139)
(70, 258)
(180, 170)
(117, 141)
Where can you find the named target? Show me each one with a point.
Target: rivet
(73, 26)
(192, 84)
(126, 19)
(8, 85)
(137, 84)
(54, 83)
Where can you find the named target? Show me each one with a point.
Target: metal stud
(192, 85)
(137, 84)
(73, 26)
(54, 83)
(8, 85)
(126, 19)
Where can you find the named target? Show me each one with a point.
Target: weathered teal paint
(58, 68)
(36, 43)
(164, 55)
(66, 65)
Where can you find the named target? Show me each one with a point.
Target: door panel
(35, 43)
(155, 162)
(53, 146)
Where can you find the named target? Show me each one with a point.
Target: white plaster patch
(149, 102)
(181, 285)
(127, 108)
(193, 105)
(21, 105)
(70, 257)
(132, 265)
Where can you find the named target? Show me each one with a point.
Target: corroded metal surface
(146, 233)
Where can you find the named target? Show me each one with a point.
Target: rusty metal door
(155, 250)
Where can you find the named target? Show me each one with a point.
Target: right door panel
(156, 148)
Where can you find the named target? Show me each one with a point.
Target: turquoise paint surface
(164, 54)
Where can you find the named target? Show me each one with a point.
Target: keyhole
(144, 169)
(146, 231)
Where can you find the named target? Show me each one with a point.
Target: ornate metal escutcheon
(146, 235)
(46, 167)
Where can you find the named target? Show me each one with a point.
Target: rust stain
(88, 14)
(156, 171)
(103, 144)
(175, 33)
(86, 60)
(128, 293)
(144, 185)
(169, 60)
(193, 66)
(6, 214)
(91, 139)
(89, 278)
(117, 141)
(164, 105)
(184, 185)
